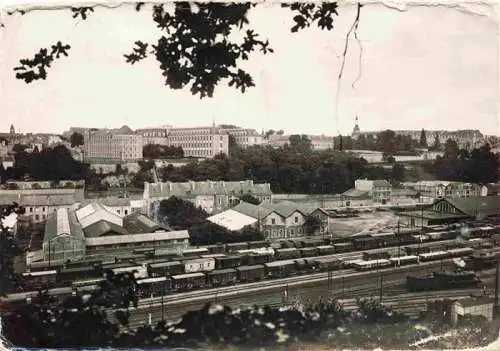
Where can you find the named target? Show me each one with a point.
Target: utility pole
(381, 292)
(162, 305)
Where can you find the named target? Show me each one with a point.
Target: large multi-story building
(318, 142)
(244, 137)
(118, 145)
(211, 196)
(203, 142)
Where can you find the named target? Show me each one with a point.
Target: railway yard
(404, 269)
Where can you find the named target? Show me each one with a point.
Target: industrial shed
(64, 239)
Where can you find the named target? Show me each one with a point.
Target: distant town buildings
(379, 190)
(118, 145)
(429, 190)
(318, 142)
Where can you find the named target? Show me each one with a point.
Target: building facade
(436, 189)
(244, 137)
(379, 190)
(63, 239)
(112, 145)
(211, 196)
(40, 203)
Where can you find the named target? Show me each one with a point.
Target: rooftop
(139, 223)
(135, 238)
(62, 222)
(232, 220)
(476, 205)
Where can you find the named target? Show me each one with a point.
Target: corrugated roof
(232, 220)
(138, 223)
(135, 238)
(103, 227)
(476, 205)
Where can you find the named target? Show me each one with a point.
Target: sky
(432, 67)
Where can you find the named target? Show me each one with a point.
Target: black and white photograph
(250, 175)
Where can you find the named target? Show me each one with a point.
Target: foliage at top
(198, 49)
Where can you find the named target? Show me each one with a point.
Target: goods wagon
(248, 274)
(280, 269)
(227, 262)
(185, 282)
(167, 268)
(222, 277)
(199, 265)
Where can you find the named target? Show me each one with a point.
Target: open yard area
(365, 223)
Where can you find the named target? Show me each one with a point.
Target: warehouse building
(451, 210)
(95, 229)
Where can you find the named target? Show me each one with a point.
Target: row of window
(282, 233)
(135, 244)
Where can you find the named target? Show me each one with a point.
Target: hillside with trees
(476, 166)
(294, 168)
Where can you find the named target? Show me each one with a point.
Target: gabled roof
(95, 212)
(102, 228)
(137, 223)
(283, 208)
(476, 205)
(62, 222)
(252, 210)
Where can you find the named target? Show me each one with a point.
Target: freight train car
(190, 281)
(373, 264)
(280, 269)
(168, 268)
(222, 277)
(153, 287)
(199, 265)
(248, 274)
(309, 251)
(328, 264)
(403, 260)
(286, 254)
(36, 280)
(227, 262)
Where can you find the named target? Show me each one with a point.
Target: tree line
(293, 168)
(479, 165)
(156, 151)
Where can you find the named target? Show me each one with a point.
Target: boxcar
(343, 247)
(286, 254)
(227, 262)
(312, 242)
(222, 277)
(248, 274)
(403, 260)
(258, 244)
(74, 273)
(138, 271)
(326, 250)
(152, 287)
(416, 250)
(309, 252)
(280, 269)
(436, 255)
(368, 256)
(87, 284)
(195, 252)
(236, 246)
(364, 243)
(184, 282)
(216, 249)
(328, 264)
(304, 266)
(168, 268)
(254, 258)
(34, 280)
(460, 252)
(199, 265)
(373, 264)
